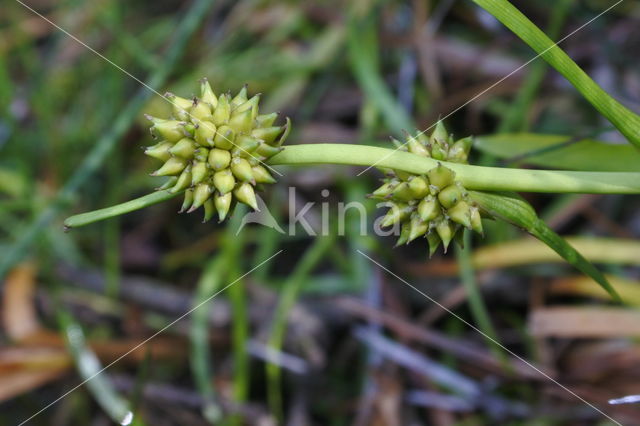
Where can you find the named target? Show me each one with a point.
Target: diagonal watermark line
(172, 323)
(498, 82)
(137, 79)
(458, 317)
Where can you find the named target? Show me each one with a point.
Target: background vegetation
(347, 342)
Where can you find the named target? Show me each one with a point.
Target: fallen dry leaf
(19, 317)
(585, 322)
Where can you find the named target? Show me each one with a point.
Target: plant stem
(472, 177)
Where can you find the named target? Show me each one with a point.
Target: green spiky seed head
(214, 148)
(433, 205)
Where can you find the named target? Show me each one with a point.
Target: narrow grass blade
(476, 302)
(363, 53)
(119, 209)
(90, 369)
(561, 152)
(288, 297)
(627, 122)
(216, 271)
(514, 209)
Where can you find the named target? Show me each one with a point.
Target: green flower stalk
(433, 205)
(214, 148)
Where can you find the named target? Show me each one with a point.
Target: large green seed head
(213, 147)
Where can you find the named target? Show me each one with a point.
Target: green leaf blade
(561, 152)
(515, 210)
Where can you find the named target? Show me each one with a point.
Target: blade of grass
(561, 152)
(210, 281)
(627, 122)
(89, 368)
(288, 296)
(362, 46)
(240, 325)
(514, 209)
(476, 302)
(103, 146)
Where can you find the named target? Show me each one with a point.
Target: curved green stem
(118, 209)
(472, 177)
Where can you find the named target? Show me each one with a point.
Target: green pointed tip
(209, 210)
(476, 220)
(418, 228)
(245, 194)
(222, 204)
(439, 135)
(184, 148)
(404, 235)
(188, 200)
(461, 213)
(445, 231)
(434, 242)
(262, 175)
(241, 169)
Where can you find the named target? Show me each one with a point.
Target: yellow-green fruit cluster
(214, 148)
(433, 205)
